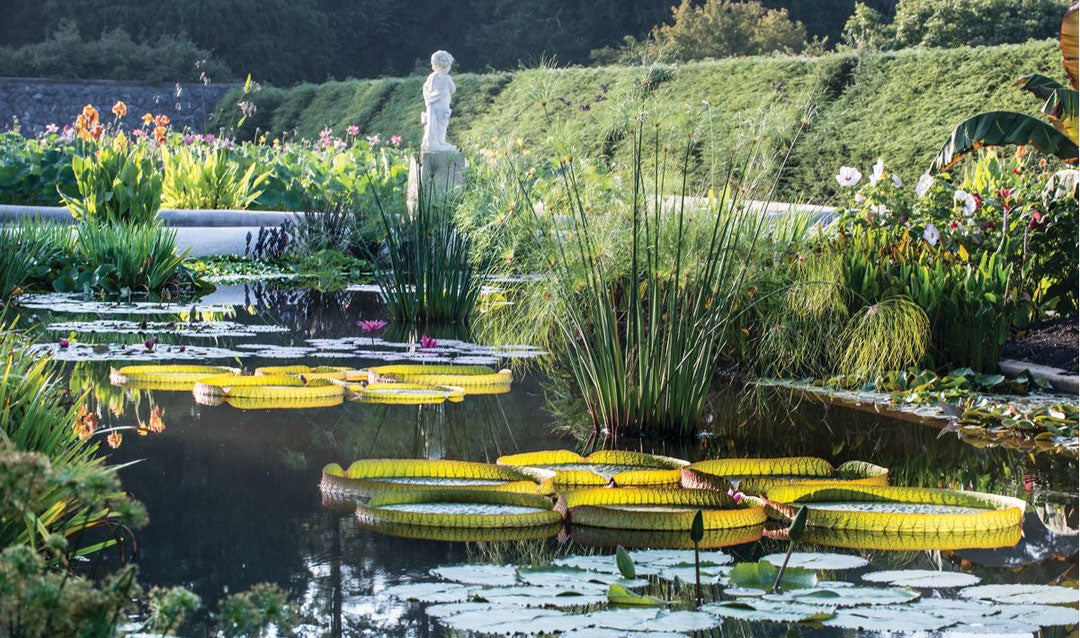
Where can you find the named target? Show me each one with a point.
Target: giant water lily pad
(601, 467)
(1023, 594)
(757, 475)
(922, 578)
(473, 509)
(831, 562)
(898, 511)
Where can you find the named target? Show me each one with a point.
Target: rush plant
(641, 338)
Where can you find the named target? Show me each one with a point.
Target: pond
(233, 494)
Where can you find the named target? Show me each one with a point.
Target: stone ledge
(170, 217)
(1060, 380)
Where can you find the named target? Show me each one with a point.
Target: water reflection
(233, 495)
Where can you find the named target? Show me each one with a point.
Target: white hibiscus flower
(878, 172)
(925, 182)
(931, 235)
(966, 200)
(848, 176)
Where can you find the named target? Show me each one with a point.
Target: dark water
(233, 498)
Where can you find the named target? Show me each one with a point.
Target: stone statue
(438, 88)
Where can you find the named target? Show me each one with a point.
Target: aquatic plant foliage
(755, 476)
(166, 377)
(458, 508)
(79, 351)
(319, 372)
(473, 379)
(59, 302)
(408, 393)
(897, 510)
(197, 329)
(660, 509)
(603, 467)
(573, 596)
(369, 476)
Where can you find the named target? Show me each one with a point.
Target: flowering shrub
(996, 206)
(299, 175)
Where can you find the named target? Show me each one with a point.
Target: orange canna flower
(115, 439)
(90, 114)
(162, 120)
(146, 119)
(119, 109)
(157, 425)
(159, 134)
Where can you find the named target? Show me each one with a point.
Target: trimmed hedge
(897, 105)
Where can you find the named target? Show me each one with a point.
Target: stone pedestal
(436, 175)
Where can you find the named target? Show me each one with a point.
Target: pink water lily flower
(372, 325)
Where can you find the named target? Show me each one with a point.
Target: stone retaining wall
(37, 103)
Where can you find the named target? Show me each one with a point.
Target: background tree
(952, 23)
(722, 28)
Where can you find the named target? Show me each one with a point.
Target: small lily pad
(823, 561)
(886, 619)
(848, 596)
(922, 578)
(665, 557)
(1023, 594)
(431, 592)
(488, 575)
(768, 610)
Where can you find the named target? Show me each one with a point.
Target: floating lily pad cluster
(324, 386)
(648, 595)
(1017, 409)
(638, 499)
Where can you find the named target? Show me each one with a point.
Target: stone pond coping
(224, 232)
(201, 232)
(1060, 380)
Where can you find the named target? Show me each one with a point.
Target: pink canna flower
(395, 140)
(353, 130)
(427, 342)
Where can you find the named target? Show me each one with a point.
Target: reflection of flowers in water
(86, 423)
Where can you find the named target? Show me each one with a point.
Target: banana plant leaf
(1070, 42)
(1061, 104)
(998, 128)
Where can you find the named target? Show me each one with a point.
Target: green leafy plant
(117, 182)
(137, 257)
(58, 486)
(207, 178)
(33, 253)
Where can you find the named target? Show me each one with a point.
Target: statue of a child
(438, 88)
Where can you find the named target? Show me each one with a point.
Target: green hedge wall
(850, 109)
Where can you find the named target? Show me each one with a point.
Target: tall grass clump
(31, 251)
(640, 338)
(425, 270)
(138, 257)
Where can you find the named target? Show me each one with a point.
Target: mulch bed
(1054, 343)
